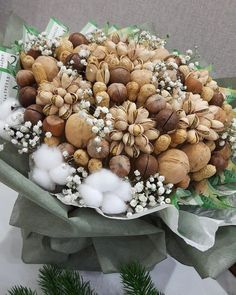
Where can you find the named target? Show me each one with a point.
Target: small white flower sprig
(189, 58)
(42, 43)
(26, 136)
(148, 40)
(68, 68)
(100, 121)
(97, 36)
(230, 136)
(148, 193)
(71, 192)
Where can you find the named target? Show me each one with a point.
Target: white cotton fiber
(112, 204)
(103, 180)
(60, 173)
(124, 191)
(42, 178)
(3, 133)
(90, 196)
(47, 158)
(6, 108)
(15, 118)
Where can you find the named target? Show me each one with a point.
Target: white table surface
(170, 276)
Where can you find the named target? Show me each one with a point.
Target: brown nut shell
(54, 124)
(52, 141)
(146, 164)
(25, 78)
(50, 66)
(155, 103)
(166, 120)
(77, 39)
(27, 96)
(217, 99)
(120, 75)
(120, 165)
(117, 92)
(193, 85)
(68, 148)
(98, 150)
(33, 114)
(219, 161)
(94, 165)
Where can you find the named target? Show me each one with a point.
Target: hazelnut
(193, 85)
(218, 161)
(34, 53)
(119, 75)
(52, 141)
(67, 147)
(226, 151)
(99, 87)
(198, 154)
(132, 90)
(174, 165)
(77, 39)
(120, 165)
(155, 103)
(27, 96)
(117, 92)
(167, 120)
(98, 149)
(94, 165)
(54, 124)
(217, 99)
(25, 78)
(74, 61)
(184, 183)
(146, 164)
(81, 157)
(33, 113)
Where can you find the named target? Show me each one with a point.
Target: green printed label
(28, 33)
(88, 28)
(8, 86)
(7, 56)
(55, 28)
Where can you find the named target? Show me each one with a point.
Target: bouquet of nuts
(114, 121)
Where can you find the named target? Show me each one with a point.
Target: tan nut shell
(78, 131)
(141, 77)
(132, 90)
(207, 93)
(206, 172)
(198, 154)
(162, 143)
(81, 157)
(94, 165)
(178, 137)
(146, 91)
(174, 165)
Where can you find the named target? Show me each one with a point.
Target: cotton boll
(47, 158)
(6, 108)
(91, 196)
(42, 178)
(59, 174)
(112, 204)
(15, 118)
(103, 180)
(124, 191)
(3, 133)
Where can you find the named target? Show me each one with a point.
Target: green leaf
(137, 281)
(19, 290)
(178, 195)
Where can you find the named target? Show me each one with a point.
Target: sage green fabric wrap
(80, 238)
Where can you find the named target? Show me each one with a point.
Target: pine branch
(54, 281)
(49, 280)
(19, 290)
(137, 281)
(72, 284)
